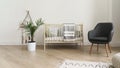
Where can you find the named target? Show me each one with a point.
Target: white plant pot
(31, 46)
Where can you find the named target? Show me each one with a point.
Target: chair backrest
(103, 29)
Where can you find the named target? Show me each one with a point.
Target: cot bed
(63, 33)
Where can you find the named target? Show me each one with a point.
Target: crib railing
(54, 33)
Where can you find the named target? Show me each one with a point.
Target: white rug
(84, 64)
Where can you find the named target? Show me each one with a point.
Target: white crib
(56, 33)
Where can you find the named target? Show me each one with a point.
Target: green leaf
(30, 27)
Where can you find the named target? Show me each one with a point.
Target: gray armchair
(101, 34)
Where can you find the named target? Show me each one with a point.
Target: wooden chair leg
(109, 47)
(106, 48)
(97, 47)
(91, 48)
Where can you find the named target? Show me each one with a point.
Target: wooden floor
(19, 57)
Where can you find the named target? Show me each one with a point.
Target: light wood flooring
(19, 57)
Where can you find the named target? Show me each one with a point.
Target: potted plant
(30, 28)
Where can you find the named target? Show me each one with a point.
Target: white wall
(11, 13)
(116, 20)
(87, 12)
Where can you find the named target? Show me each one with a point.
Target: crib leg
(44, 47)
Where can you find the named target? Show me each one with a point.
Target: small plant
(31, 27)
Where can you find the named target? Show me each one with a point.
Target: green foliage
(31, 27)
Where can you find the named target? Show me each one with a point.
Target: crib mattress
(61, 40)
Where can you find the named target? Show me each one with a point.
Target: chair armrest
(91, 34)
(110, 36)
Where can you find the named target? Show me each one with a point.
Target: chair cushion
(99, 40)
